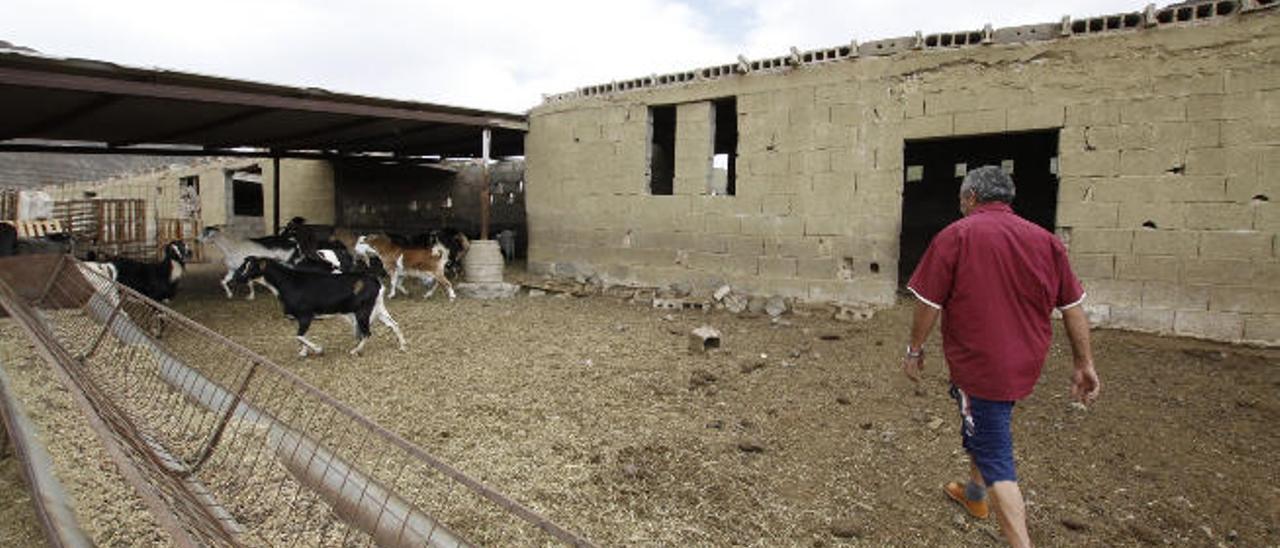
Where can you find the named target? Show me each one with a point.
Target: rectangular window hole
(724, 159)
(962, 169)
(1185, 14)
(915, 174)
(1132, 20)
(1204, 10)
(246, 198)
(662, 149)
(1225, 8)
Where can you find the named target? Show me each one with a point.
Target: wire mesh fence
(227, 448)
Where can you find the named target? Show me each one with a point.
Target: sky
(487, 54)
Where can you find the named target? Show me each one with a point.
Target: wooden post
(275, 194)
(484, 182)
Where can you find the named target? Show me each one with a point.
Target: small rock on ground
(848, 528)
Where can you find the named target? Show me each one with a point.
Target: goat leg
(380, 312)
(304, 323)
(226, 282)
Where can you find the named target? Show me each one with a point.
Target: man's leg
(989, 442)
(1007, 502)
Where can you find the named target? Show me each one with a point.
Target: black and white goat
(306, 296)
(236, 250)
(158, 281)
(317, 242)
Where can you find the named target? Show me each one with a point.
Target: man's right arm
(1084, 379)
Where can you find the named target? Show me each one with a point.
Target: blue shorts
(986, 435)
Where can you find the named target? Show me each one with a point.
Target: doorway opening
(934, 169)
(245, 205)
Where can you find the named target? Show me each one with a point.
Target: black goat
(158, 281)
(316, 242)
(306, 296)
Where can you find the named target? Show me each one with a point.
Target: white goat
(236, 250)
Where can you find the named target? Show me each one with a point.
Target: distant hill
(32, 169)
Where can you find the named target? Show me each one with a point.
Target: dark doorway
(662, 150)
(724, 159)
(246, 198)
(934, 169)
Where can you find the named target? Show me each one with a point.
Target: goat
(306, 296)
(426, 264)
(235, 251)
(157, 281)
(317, 242)
(457, 243)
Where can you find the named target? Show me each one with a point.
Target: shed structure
(81, 106)
(1148, 141)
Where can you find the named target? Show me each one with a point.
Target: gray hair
(988, 184)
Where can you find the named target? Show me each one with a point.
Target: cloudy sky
(491, 54)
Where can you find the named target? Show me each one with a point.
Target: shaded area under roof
(93, 106)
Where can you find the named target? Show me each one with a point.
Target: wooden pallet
(36, 229)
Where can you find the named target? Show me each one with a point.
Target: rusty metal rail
(47, 496)
(227, 448)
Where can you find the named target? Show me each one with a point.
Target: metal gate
(226, 447)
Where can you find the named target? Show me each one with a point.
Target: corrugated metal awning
(93, 106)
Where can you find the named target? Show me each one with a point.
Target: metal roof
(94, 106)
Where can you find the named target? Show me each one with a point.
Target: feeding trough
(225, 447)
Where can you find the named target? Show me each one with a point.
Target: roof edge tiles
(1181, 14)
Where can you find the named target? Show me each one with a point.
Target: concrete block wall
(1169, 140)
(158, 189)
(306, 190)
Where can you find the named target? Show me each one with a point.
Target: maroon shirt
(996, 277)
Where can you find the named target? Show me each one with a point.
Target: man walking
(995, 278)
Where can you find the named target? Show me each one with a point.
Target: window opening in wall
(189, 197)
(247, 199)
(662, 149)
(930, 203)
(246, 192)
(724, 159)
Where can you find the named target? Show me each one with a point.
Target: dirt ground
(796, 433)
(18, 523)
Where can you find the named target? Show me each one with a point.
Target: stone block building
(1148, 141)
(237, 194)
(232, 192)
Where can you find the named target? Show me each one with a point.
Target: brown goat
(420, 262)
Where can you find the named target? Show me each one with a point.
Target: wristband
(916, 354)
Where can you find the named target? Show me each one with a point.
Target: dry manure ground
(802, 432)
